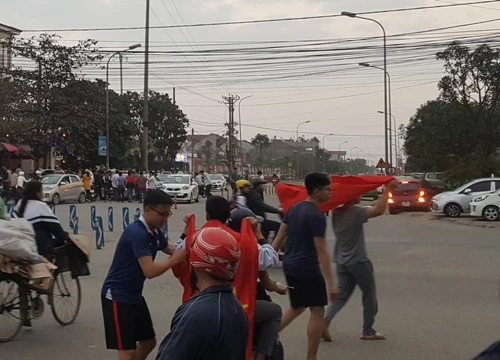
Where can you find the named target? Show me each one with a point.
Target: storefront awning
(9, 148)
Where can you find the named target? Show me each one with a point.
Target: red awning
(9, 148)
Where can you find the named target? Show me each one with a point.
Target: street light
(390, 104)
(298, 154)
(132, 47)
(396, 138)
(350, 151)
(324, 166)
(345, 142)
(354, 15)
(239, 116)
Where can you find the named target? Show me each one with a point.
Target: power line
(260, 21)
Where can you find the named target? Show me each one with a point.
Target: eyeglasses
(162, 213)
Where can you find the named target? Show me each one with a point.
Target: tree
(207, 151)
(261, 141)
(463, 125)
(41, 85)
(473, 82)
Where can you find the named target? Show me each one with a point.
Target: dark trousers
(115, 194)
(141, 193)
(349, 276)
(98, 192)
(121, 193)
(267, 322)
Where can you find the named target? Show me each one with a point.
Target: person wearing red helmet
(212, 325)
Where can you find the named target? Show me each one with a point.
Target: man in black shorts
(127, 321)
(306, 262)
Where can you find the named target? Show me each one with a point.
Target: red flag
(244, 287)
(344, 189)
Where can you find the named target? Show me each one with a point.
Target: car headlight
(48, 188)
(481, 198)
(185, 188)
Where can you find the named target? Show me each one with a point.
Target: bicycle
(21, 302)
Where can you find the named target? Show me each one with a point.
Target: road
(437, 287)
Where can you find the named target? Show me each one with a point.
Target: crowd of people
(212, 324)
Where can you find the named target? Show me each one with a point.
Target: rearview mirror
(467, 191)
(63, 183)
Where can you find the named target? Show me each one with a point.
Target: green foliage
(261, 142)
(460, 131)
(51, 108)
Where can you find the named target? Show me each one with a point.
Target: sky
(293, 71)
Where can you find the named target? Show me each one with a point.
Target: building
(7, 34)
(337, 155)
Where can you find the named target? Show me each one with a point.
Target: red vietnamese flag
(344, 189)
(244, 289)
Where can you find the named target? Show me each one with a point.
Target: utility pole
(173, 95)
(120, 56)
(145, 120)
(192, 151)
(230, 101)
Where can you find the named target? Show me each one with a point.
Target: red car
(410, 195)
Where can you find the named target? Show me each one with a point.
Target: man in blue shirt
(127, 321)
(306, 262)
(212, 325)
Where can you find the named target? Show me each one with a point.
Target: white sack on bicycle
(17, 240)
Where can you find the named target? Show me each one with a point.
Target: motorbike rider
(255, 202)
(203, 184)
(267, 314)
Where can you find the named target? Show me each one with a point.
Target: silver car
(217, 182)
(62, 187)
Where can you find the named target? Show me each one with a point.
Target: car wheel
(392, 211)
(56, 199)
(82, 198)
(491, 213)
(452, 210)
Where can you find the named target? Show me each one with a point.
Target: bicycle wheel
(10, 310)
(65, 298)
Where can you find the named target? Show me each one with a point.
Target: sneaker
(374, 336)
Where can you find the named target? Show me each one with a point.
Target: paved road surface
(437, 284)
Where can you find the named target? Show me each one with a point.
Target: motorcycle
(204, 190)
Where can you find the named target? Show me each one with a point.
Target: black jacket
(257, 204)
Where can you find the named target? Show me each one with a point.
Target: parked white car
(181, 187)
(486, 206)
(453, 203)
(217, 182)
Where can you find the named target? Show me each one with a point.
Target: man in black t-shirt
(306, 262)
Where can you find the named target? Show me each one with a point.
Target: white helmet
(38, 172)
(21, 173)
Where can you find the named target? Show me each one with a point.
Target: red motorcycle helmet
(215, 252)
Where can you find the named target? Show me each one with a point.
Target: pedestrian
(120, 182)
(260, 175)
(5, 174)
(21, 181)
(212, 325)
(152, 182)
(353, 265)
(87, 184)
(233, 178)
(114, 185)
(141, 186)
(127, 321)
(107, 186)
(130, 184)
(306, 262)
(13, 185)
(99, 185)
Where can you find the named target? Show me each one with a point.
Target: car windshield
(51, 179)
(162, 177)
(177, 179)
(215, 177)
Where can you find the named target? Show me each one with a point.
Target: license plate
(406, 204)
